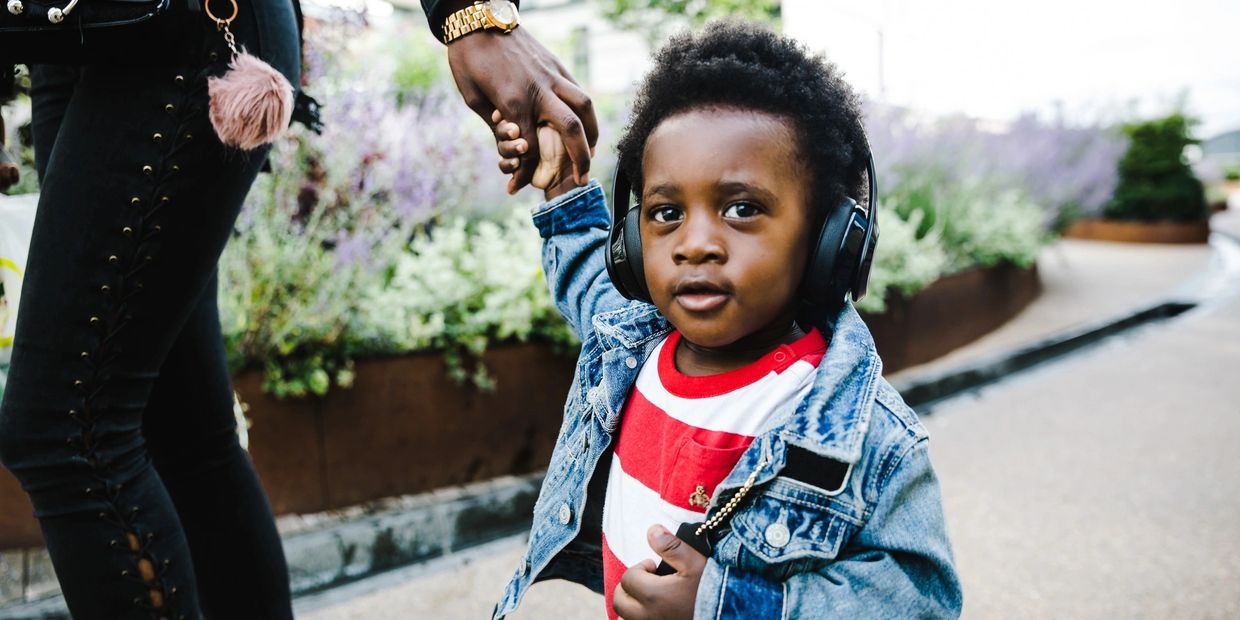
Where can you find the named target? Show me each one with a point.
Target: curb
(923, 391)
(333, 549)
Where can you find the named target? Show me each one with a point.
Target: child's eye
(664, 215)
(741, 210)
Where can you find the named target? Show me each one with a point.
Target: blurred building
(1223, 149)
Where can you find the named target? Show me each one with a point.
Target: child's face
(725, 225)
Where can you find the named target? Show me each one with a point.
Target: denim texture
(877, 548)
(117, 418)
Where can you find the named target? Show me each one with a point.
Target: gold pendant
(699, 497)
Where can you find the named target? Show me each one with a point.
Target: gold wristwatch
(500, 14)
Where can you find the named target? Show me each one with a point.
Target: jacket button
(631, 362)
(566, 514)
(777, 535)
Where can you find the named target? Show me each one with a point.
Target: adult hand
(554, 172)
(643, 595)
(515, 74)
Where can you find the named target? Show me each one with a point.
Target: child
(739, 401)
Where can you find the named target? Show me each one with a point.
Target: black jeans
(117, 418)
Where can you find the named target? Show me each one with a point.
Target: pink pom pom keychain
(252, 103)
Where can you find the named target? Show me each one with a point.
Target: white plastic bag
(16, 225)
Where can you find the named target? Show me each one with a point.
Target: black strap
(815, 470)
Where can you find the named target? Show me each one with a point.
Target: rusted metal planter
(951, 312)
(405, 427)
(1098, 229)
(18, 528)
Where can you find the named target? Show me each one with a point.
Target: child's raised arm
(573, 223)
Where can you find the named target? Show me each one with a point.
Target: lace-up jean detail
(117, 418)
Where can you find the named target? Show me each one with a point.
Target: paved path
(1084, 282)
(1105, 485)
(1100, 486)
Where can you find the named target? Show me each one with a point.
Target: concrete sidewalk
(1097, 486)
(1104, 485)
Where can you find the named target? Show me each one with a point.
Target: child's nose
(700, 241)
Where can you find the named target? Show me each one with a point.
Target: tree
(1155, 181)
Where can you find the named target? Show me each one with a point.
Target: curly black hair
(745, 66)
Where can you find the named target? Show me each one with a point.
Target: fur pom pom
(251, 104)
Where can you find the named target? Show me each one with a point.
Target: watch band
(463, 22)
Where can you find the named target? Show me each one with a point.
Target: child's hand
(554, 174)
(643, 595)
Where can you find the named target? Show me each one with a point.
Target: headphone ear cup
(829, 273)
(633, 246)
(624, 244)
(624, 257)
(862, 282)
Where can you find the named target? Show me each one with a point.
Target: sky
(1087, 60)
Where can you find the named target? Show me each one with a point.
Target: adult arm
(574, 231)
(513, 73)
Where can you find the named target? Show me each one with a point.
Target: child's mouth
(700, 297)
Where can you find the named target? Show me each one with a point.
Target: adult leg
(191, 434)
(138, 201)
(52, 86)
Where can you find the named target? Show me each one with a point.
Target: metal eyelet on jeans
(157, 599)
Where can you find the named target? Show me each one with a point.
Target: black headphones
(839, 263)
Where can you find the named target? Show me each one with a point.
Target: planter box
(1097, 229)
(405, 427)
(18, 528)
(951, 312)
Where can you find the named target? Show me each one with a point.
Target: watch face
(504, 11)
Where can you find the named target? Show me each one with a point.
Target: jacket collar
(831, 422)
(631, 326)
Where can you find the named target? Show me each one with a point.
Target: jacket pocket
(779, 535)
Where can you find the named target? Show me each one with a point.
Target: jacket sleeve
(574, 231)
(437, 11)
(899, 565)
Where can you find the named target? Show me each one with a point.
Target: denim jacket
(875, 548)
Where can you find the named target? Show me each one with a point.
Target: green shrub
(1155, 181)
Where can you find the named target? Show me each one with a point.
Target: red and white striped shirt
(680, 436)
